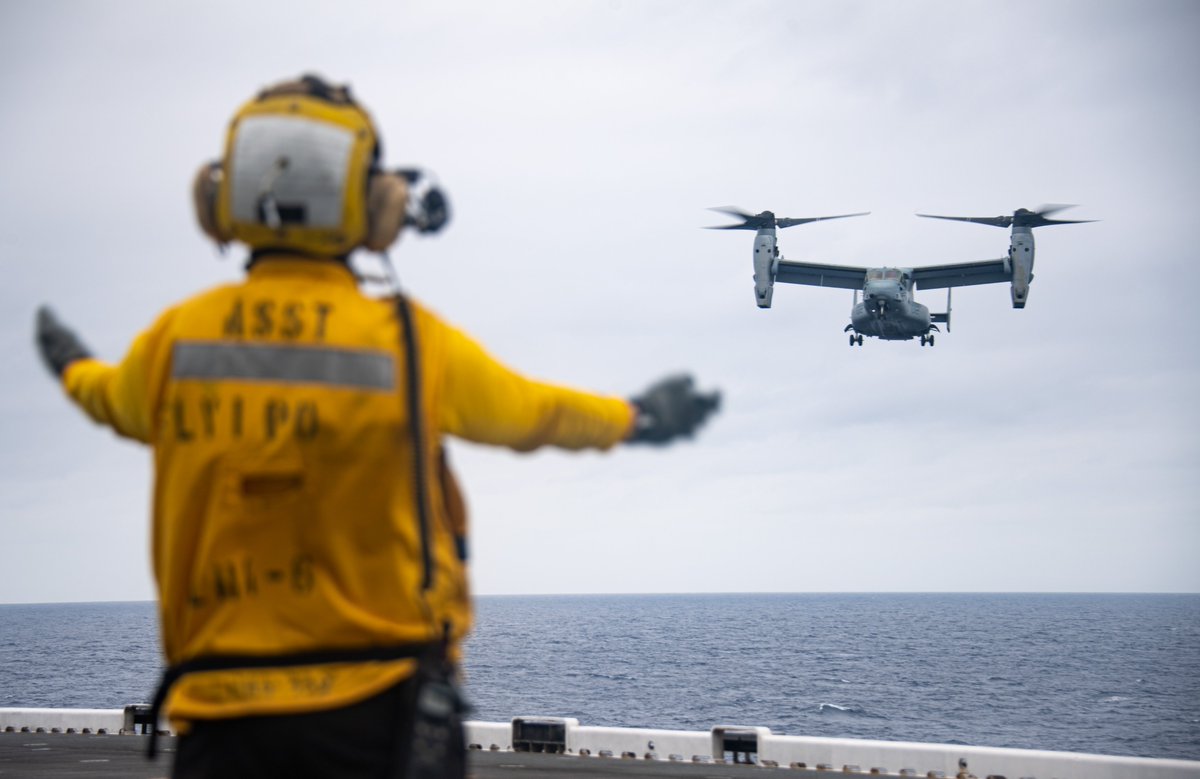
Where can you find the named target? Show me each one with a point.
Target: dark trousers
(367, 740)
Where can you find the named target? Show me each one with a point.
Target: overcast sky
(1049, 449)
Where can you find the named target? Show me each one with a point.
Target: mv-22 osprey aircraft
(888, 309)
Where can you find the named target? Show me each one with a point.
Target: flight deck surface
(70, 756)
(59, 743)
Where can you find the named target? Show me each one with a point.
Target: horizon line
(693, 593)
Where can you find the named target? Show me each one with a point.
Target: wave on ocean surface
(847, 711)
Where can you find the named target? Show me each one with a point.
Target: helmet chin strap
(389, 274)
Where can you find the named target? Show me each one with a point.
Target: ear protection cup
(205, 186)
(387, 202)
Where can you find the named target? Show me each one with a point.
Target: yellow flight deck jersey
(284, 515)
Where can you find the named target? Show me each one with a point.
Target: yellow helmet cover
(295, 172)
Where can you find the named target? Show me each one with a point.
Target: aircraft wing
(816, 275)
(962, 274)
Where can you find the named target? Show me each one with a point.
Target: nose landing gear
(856, 339)
(927, 339)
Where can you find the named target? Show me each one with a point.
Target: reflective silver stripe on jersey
(353, 368)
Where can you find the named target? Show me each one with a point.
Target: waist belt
(429, 652)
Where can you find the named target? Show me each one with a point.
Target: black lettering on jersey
(208, 413)
(248, 578)
(211, 416)
(225, 581)
(289, 319)
(292, 324)
(237, 416)
(302, 574)
(323, 311)
(263, 323)
(235, 325)
(313, 682)
(275, 415)
(306, 420)
(181, 431)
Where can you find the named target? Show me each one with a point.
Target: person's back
(307, 541)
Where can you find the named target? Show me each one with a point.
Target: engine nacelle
(1020, 259)
(766, 262)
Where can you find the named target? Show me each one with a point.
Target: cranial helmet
(301, 172)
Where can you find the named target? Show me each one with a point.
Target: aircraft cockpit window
(891, 273)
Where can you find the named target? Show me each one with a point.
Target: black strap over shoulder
(416, 421)
(434, 652)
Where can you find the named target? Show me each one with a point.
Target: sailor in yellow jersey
(308, 537)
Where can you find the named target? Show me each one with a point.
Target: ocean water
(1113, 674)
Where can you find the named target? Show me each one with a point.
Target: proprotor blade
(749, 221)
(1022, 217)
(791, 221)
(994, 221)
(1052, 208)
(732, 211)
(766, 219)
(1038, 218)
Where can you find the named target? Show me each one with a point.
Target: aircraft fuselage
(887, 309)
